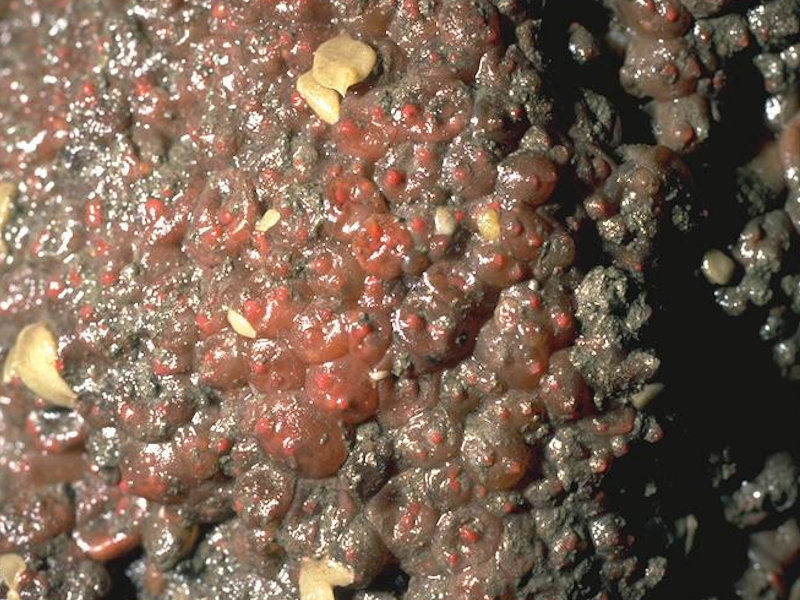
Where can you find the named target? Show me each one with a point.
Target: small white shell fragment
(318, 578)
(269, 220)
(646, 395)
(33, 359)
(718, 267)
(240, 325)
(692, 525)
(342, 62)
(11, 567)
(489, 225)
(443, 221)
(7, 191)
(379, 375)
(323, 101)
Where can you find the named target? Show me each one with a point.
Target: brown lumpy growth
(441, 315)
(663, 69)
(656, 19)
(34, 516)
(291, 431)
(263, 494)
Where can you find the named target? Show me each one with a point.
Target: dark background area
(723, 393)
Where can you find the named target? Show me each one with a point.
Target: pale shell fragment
(33, 359)
(318, 578)
(647, 394)
(379, 375)
(342, 62)
(7, 191)
(240, 324)
(443, 221)
(718, 267)
(323, 101)
(11, 567)
(269, 220)
(489, 225)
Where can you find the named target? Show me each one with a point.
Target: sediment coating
(375, 342)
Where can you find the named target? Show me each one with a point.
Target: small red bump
(219, 11)
(563, 320)
(410, 112)
(515, 467)
(394, 177)
(672, 14)
(153, 208)
(323, 380)
(436, 437)
(253, 310)
(460, 174)
(108, 278)
(348, 128)
(263, 426)
(94, 214)
(74, 277)
(687, 135)
(225, 217)
(468, 535)
(424, 155)
(54, 289)
(296, 100)
(415, 322)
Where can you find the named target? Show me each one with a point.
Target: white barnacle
(240, 324)
(34, 359)
(444, 222)
(489, 224)
(7, 191)
(342, 62)
(322, 100)
(647, 394)
(268, 220)
(11, 569)
(379, 375)
(718, 267)
(318, 578)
